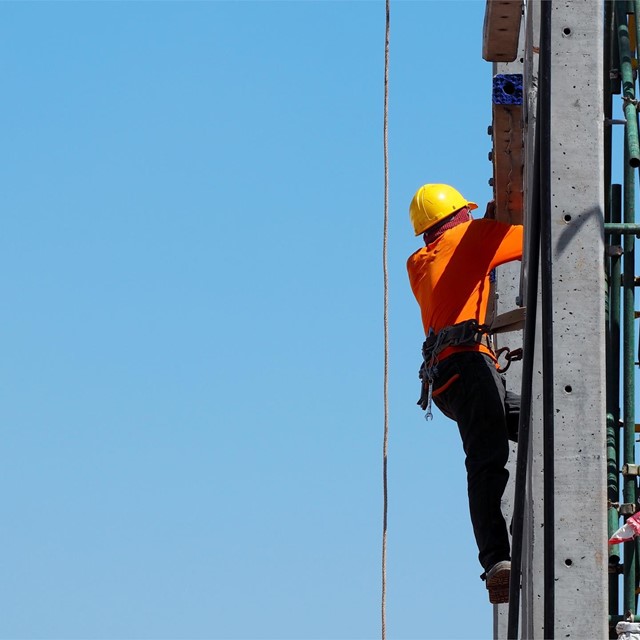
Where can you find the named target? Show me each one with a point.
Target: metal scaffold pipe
(630, 484)
(628, 84)
(614, 306)
(636, 22)
(625, 228)
(606, 51)
(613, 208)
(613, 395)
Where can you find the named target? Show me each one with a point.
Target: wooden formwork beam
(508, 147)
(501, 30)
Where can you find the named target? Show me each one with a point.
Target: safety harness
(463, 333)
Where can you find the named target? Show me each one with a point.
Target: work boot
(497, 581)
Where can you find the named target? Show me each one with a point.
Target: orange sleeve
(510, 247)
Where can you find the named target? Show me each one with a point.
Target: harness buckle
(511, 355)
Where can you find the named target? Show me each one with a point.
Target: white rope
(386, 322)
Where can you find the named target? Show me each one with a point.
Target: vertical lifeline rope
(386, 323)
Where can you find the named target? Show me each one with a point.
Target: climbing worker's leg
(476, 401)
(512, 411)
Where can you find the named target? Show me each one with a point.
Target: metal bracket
(614, 250)
(630, 470)
(627, 509)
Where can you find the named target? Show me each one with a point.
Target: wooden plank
(509, 321)
(508, 162)
(501, 30)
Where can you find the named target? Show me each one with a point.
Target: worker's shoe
(497, 581)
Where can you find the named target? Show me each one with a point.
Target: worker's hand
(490, 213)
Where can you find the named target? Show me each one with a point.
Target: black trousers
(469, 390)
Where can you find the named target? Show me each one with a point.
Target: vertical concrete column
(578, 290)
(576, 166)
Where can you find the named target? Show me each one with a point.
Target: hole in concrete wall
(568, 388)
(567, 217)
(568, 562)
(566, 31)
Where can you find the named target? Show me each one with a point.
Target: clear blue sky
(191, 331)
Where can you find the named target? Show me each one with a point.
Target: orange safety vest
(450, 276)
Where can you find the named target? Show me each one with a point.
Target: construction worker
(450, 278)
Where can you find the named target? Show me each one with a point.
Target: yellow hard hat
(432, 203)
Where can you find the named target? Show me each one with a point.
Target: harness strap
(462, 333)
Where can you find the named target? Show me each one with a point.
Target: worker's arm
(510, 243)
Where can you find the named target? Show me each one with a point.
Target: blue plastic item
(507, 88)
